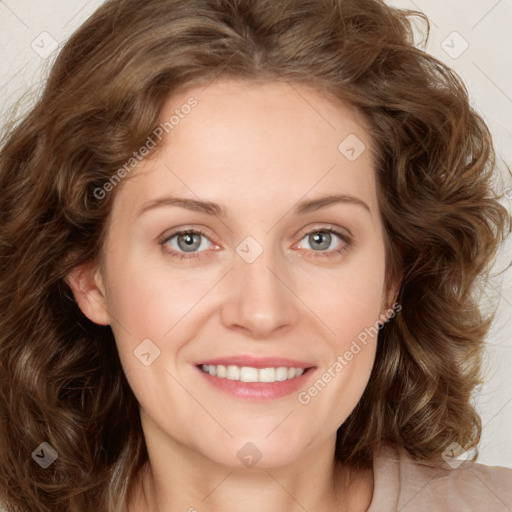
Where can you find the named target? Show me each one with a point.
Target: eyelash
(196, 231)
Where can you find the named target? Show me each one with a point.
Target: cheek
(147, 299)
(347, 300)
(352, 316)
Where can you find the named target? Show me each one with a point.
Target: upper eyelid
(343, 232)
(167, 235)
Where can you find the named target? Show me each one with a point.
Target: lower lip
(256, 391)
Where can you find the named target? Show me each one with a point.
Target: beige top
(405, 485)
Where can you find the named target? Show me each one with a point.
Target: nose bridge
(259, 301)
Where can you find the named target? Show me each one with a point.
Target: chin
(253, 452)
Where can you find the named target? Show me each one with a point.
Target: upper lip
(256, 362)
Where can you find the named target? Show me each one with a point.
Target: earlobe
(86, 283)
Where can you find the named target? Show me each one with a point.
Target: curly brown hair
(61, 380)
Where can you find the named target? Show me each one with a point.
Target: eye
(190, 243)
(187, 243)
(323, 242)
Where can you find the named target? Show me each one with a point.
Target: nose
(260, 300)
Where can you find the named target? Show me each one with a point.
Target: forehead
(256, 144)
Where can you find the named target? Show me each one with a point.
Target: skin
(257, 150)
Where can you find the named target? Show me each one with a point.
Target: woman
(240, 242)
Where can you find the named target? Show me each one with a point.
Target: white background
(486, 67)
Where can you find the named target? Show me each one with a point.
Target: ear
(389, 298)
(86, 283)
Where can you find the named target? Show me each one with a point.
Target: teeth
(233, 373)
(281, 373)
(267, 375)
(249, 374)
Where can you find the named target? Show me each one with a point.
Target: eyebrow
(211, 208)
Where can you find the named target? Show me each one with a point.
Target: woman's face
(251, 168)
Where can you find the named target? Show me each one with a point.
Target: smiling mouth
(251, 374)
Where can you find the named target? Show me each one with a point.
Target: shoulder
(443, 485)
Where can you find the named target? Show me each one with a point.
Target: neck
(178, 478)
